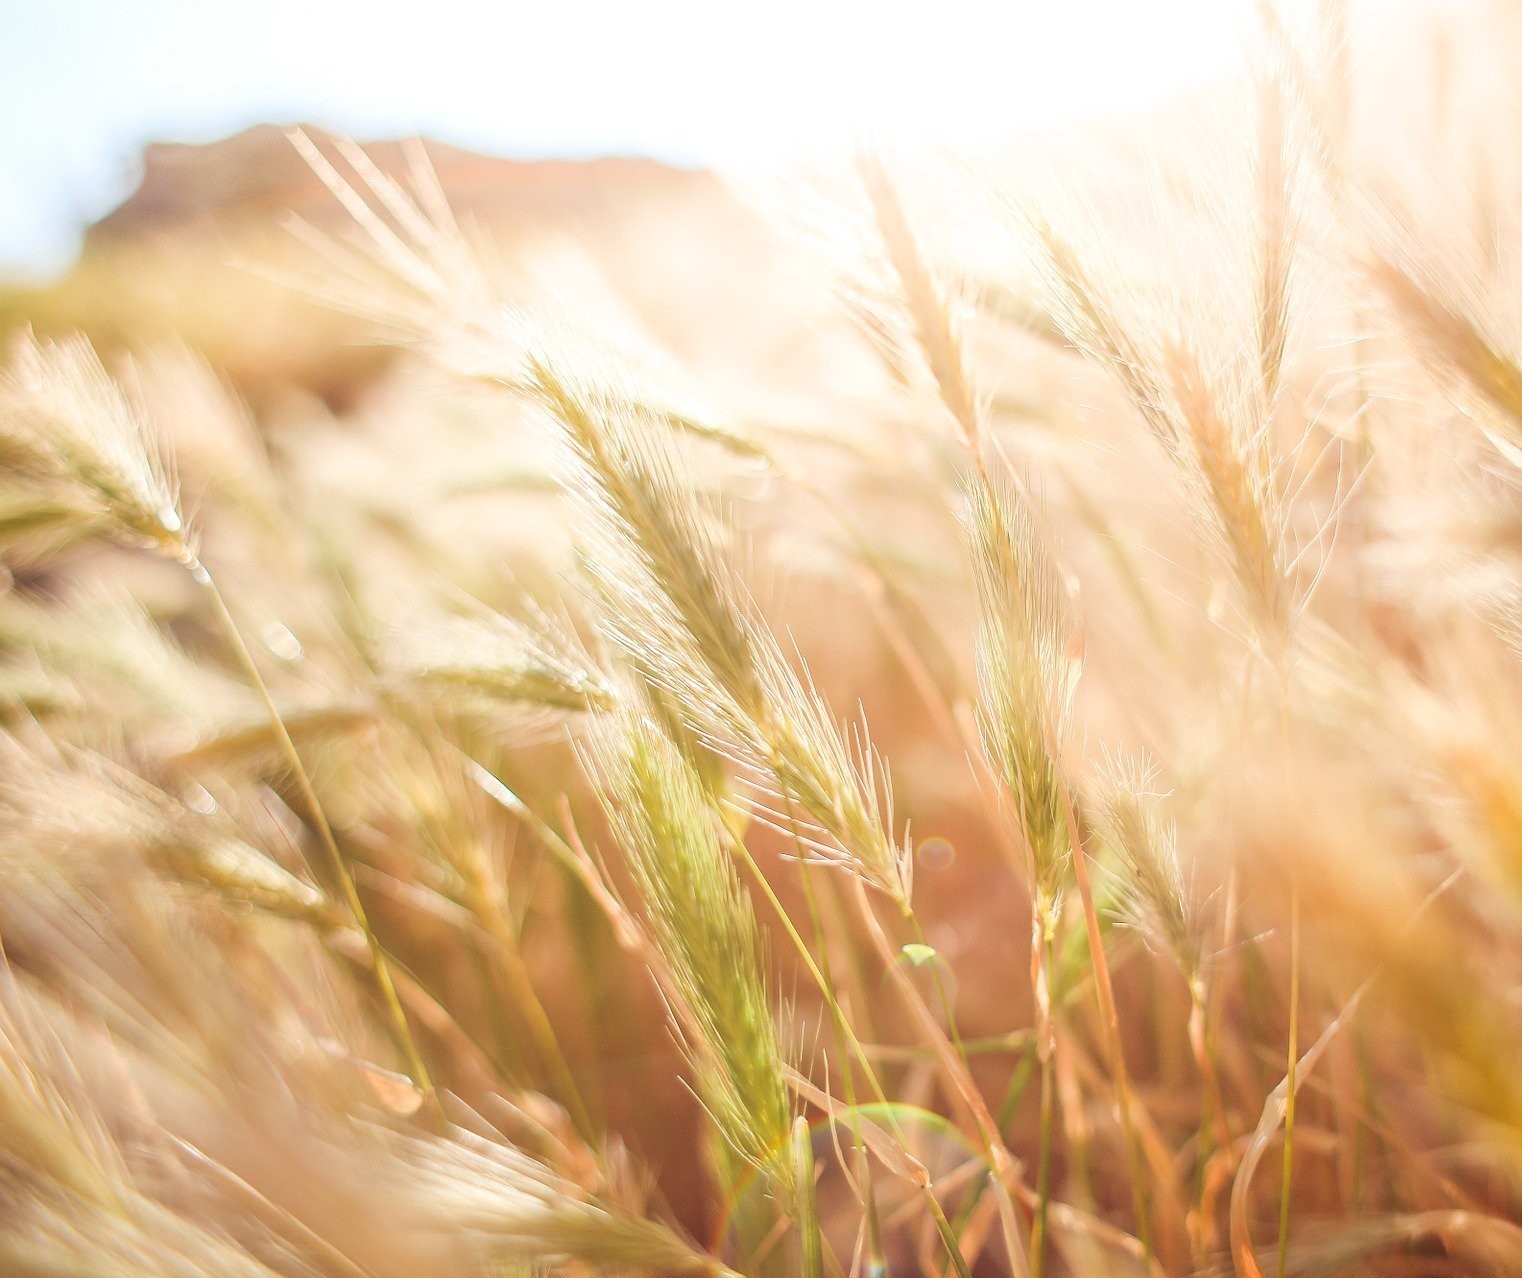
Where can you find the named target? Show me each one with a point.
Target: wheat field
(993, 749)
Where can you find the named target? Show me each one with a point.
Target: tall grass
(455, 873)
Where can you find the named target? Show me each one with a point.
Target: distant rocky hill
(183, 258)
(258, 175)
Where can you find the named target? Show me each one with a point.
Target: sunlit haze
(84, 83)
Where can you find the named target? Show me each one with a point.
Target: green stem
(1041, 968)
(489, 909)
(811, 1241)
(336, 863)
(1105, 990)
(863, 1164)
(843, 1027)
(1019, 1080)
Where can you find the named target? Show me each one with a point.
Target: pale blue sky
(83, 83)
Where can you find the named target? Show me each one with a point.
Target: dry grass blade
(506, 1207)
(1445, 321)
(929, 309)
(1481, 1244)
(79, 1182)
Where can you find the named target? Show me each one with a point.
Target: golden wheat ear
(927, 305)
(1026, 674)
(1155, 893)
(678, 611)
(78, 450)
(474, 651)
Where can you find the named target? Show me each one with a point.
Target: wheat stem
(336, 863)
(541, 1030)
(1042, 923)
(1110, 1016)
(839, 1030)
(1287, 1168)
(927, 1192)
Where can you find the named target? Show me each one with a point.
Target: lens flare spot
(937, 854)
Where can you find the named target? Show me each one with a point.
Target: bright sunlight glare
(84, 83)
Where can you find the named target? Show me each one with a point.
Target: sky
(85, 83)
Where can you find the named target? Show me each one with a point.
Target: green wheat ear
(703, 927)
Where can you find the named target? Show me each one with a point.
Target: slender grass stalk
(964, 1091)
(337, 865)
(1026, 682)
(1110, 1016)
(862, 1164)
(1043, 923)
(526, 998)
(806, 1210)
(844, 1029)
(1291, 1084)
(1214, 1114)
(1078, 1131)
(1019, 1080)
(1214, 1133)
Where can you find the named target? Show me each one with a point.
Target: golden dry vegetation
(946, 716)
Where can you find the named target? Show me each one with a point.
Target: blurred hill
(258, 176)
(193, 255)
